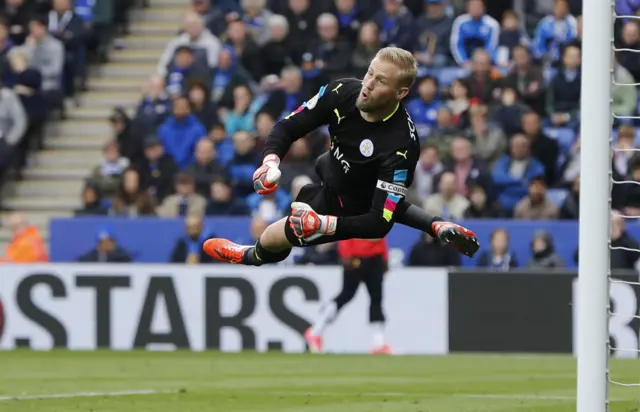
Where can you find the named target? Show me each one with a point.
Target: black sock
(258, 255)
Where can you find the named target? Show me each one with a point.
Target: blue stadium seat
(447, 75)
(557, 196)
(563, 135)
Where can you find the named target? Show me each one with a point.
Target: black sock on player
(257, 255)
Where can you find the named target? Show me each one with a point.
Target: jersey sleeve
(312, 114)
(394, 178)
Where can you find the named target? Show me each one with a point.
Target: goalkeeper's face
(379, 87)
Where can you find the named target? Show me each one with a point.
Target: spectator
(5, 47)
(482, 82)
(459, 102)
(206, 167)
(131, 199)
(298, 183)
(247, 50)
(185, 201)
(563, 94)
(222, 202)
(332, 54)
(223, 144)
(184, 71)
(264, 123)
(624, 94)
(424, 108)
(429, 166)
(270, 207)
(623, 149)
(367, 46)
(434, 34)
(508, 112)
(499, 258)
(626, 258)
(257, 228)
(302, 25)
(289, 95)
(45, 54)
(479, 205)
(229, 74)
(256, 17)
(428, 252)
(554, 32)
(526, 79)
(511, 36)
(106, 176)
(129, 143)
(198, 95)
(351, 17)
(397, 26)
(474, 30)
(245, 161)
(630, 39)
(489, 141)
(157, 169)
(215, 16)
(13, 124)
(195, 36)
(544, 149)
(91, 202)
(537, 205)
(27, 84)
(153, 108)
(66, 26)
(180, 132)
(296, 163)
(276, 54)
(570, 208)
(188, 248)
(17, 14)
(443, 132)
(632, 190)
(468, 170)
(319, 255)
(106, 251)
(242, 116)
(514, 171)
(571, 169)
(26, 245)
(447, 202)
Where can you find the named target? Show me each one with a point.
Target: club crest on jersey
(366, 148)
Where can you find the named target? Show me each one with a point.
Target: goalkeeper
(365, 174)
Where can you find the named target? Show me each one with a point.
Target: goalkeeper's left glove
(308, 225)
(462, 239)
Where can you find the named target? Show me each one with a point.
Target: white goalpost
(595, 182)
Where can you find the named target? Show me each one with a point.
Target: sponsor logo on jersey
(337, 88)
(335, 151)
(403, 154)
(340, 118)
(392, 188)
(412, 127)
(366, 148)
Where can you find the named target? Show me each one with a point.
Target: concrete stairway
(52, 181)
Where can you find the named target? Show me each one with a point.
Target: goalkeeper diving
(365, 174)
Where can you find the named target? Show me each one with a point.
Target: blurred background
(129, 131)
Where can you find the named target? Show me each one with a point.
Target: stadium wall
(163, 307)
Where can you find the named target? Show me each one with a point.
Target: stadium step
(167, 13)
(130, 70)
(147, 28)
(142, 54)
(36, 218)
(55, 173)
(110, 99)
(77, 128)
(151, 43)
(76, 143)
(118, 84)
(55, 158)
(41, 188)
(61, 203)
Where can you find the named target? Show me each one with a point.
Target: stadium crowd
(496, 106)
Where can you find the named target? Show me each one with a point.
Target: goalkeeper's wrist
(329, 225)
(271, 160)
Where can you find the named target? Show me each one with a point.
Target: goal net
(596, 313)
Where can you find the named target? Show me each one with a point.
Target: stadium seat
(557, 196)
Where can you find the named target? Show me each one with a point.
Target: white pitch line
(83, 395)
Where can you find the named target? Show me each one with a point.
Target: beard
(368, 105)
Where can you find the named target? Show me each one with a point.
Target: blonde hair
(402, 59)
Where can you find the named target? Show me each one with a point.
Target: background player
(366, 261)
(374, 151)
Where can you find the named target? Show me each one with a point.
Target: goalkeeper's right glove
(267, 177)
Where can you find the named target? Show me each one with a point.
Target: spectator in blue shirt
(245, 161)
(553, 32)
(224, 145)
(180, 133)
(513, 173)
(153, 108)
(474, 30)
(397, 27)
(424, 108)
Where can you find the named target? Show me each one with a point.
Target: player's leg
(352, 275)
(373, 280)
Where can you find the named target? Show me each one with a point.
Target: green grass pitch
(214, 382)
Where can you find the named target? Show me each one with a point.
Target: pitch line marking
(84, 395)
